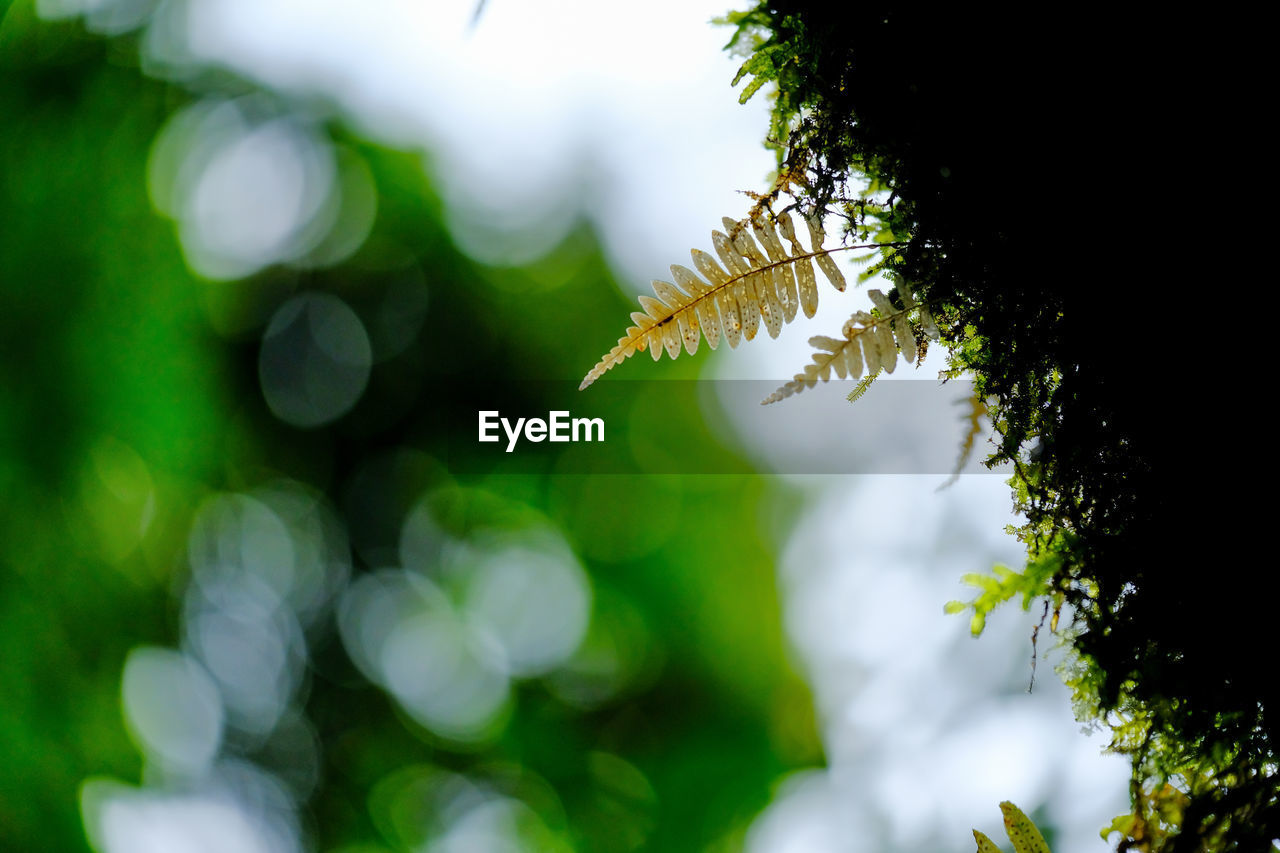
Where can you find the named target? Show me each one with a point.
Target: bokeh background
(255, 257)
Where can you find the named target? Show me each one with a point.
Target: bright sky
(516, 107)
(926, 729)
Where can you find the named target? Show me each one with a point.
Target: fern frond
(764, 67)
(861, 388)
(755, 285)
(870, 342)
(973, 419)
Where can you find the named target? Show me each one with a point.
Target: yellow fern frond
(870, 342)
(759, 282)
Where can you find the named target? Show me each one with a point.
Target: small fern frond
(973, 419)
(764, 66)
(759, 282)
(870, 342)
(861, 388)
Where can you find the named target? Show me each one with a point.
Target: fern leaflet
(1022, 832)
(985, 844)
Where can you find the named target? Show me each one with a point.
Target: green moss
(1008, 154)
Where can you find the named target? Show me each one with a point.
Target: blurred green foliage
(129, 393)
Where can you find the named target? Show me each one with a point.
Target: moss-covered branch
(980, 139)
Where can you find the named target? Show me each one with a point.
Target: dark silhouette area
(1043, 162)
